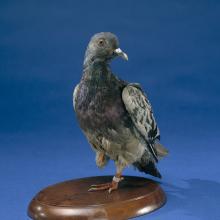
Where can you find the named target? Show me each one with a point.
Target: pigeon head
(103, 47)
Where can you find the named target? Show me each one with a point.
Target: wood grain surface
(71, 200)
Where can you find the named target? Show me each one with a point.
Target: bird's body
(115, 116)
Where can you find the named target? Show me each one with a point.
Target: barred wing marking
(141, 113)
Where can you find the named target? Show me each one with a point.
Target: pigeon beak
(120, 53)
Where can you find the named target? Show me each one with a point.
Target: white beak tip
(120, 53)
(125, 56)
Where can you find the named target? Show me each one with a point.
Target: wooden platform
(71, 200)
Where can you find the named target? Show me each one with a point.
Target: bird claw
(105, 186)
(92, 189)
(112, 188)
(99, 187)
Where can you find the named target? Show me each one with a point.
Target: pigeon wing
(141, 113)
(75, 95)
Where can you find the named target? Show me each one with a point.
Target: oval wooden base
(71, 200)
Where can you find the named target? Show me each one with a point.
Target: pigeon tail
(147, 166)
(160, 149)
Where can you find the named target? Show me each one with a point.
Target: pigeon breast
(99, 104)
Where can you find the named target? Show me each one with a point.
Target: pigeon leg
(118, 177)
(109, 186)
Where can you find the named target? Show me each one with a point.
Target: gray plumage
(115, 116)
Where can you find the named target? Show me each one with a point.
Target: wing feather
(75, 95)
(141, 113)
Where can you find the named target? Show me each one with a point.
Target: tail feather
(147, 166)
(160, 149)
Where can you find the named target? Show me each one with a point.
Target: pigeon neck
(90, 62)
(92, 59)
(96, 70)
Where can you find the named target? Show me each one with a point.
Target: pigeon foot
(107, 186)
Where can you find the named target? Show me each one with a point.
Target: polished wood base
(71, 200)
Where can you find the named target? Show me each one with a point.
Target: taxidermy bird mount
(115, 116)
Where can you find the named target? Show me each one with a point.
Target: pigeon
(115, 116)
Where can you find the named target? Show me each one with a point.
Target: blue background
(174, 52)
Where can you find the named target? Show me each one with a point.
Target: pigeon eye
(101, 42)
